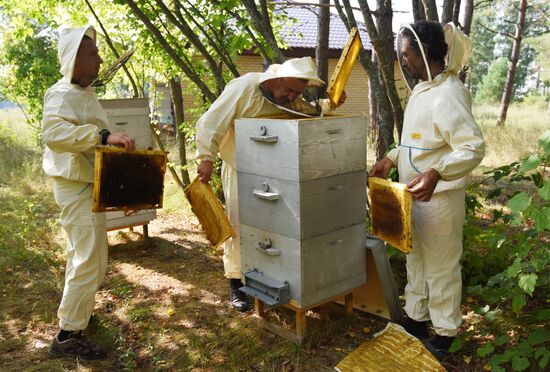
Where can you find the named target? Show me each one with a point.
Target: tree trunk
(447, 11)
(456, 12)
(507, 94)
(418, 10)
(430, 9)
(386, 121)
(177, 100)
(384, 118)
(386, 66)
(468, 16)
(321, 53)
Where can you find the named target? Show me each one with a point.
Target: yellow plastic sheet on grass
(209, 211)
(392, 349)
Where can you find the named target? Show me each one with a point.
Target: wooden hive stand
(301, 331)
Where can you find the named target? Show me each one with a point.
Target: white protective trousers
(86, 252)
(232, 246)
(434, 287)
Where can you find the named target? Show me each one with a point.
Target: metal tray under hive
(391, 206)
(128, 180)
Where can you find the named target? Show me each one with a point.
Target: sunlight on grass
(524, 125)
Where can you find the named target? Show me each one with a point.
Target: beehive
(302, 190)
(131, 117)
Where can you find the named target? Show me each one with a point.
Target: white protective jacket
(72, 118)
(216, 128)
(439, 130)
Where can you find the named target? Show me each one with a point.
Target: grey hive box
(302, 197)
(130, 116)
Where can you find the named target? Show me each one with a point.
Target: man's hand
(423, 185)
(204, 170)
(121, 140)
(381, 168)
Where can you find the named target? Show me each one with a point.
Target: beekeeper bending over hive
(248, 96)
(72, 126)
(440, 145)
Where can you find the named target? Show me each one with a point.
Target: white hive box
(302, 197)
(130, 116)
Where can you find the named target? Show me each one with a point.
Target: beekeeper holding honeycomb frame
(440, 145)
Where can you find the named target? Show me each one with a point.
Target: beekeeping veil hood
(299, 68)
(69, 42)
(459, 50)
(411, 81)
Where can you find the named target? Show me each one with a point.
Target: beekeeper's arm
(456, 124)
(214, 124)
(62, 131)
(458, 127)
(61, 128)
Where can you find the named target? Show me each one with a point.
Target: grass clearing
(164, 303)
(524, 125)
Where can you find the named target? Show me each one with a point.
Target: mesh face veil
(410, 80)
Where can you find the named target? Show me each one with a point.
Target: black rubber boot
(439, 346)
(237, 298)
(415, 328)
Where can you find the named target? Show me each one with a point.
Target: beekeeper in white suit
(73, 125)
(440, 145)
(251, 95)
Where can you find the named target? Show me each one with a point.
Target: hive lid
(391, 206)
(128, 180)
(343, 69)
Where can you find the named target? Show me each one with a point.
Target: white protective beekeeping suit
(70, 130)
(439, 132)
(241, 98)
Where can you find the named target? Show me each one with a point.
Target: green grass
(524, 125)
(133, 324)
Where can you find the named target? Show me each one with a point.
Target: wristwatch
(104, 133)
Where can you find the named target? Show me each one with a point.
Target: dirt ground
(164, 306)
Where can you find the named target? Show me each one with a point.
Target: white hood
(69, 42)
(460, 48)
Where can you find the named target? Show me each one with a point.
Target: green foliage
(30, 67)
(514, 274)
(492, 84)
(492, 44)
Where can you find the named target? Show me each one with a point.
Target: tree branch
(192, 37)
(262, 23)
(495, 32)
(194, 77)
(216, 44)
(113, 49)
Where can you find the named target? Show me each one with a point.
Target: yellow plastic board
(392, 349)
(128, 180)
(391, 207)
(343, 69)
(209, 211)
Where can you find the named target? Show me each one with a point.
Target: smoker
(302, 212)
